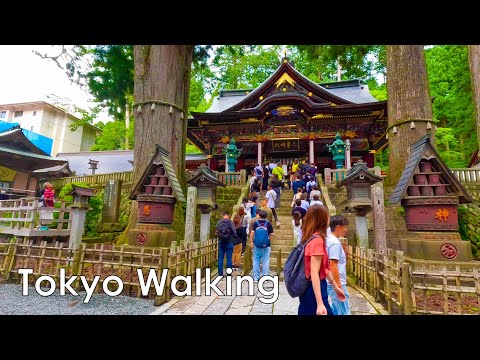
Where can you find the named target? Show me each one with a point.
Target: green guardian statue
(232, 153)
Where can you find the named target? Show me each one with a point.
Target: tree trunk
(474, 60)
(339, 69)
(127, 125)
(162, 73)
(408, 98)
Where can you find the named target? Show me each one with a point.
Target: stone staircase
(282, 237)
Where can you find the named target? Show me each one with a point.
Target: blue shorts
(339, 307)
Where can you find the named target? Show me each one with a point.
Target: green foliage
(450, 85)
(378, 91)
(112, 138)
(94, 216)
(357, 61)
(381, 159)
(110, 79)
(245, 66)
(469, 224)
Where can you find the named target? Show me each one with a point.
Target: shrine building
(291, 117)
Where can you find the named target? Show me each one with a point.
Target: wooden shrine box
(430, 195)
(156, 192)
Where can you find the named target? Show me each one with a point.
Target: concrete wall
(88, 138)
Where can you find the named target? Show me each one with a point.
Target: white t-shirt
(305, 204)
(271, 196)
(252, 179)
(246, 220)
(285, 169)
(335, 252)
(297, 231)
(315, 202)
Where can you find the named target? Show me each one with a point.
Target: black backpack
(225, 230)
(294, 270)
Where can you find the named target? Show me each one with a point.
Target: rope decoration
(157, 102)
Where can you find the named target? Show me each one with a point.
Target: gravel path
(12, 302)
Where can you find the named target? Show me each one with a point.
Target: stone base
(439, 246)
(151, 237)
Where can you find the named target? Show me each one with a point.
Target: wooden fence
(22, 217)
(102, 260)
(467, 175)
(414, 286)
(96, 180)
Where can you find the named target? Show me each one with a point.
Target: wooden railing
(22, 218)
(103, 260)
(232, 178)
(96, 180)
(416, 286)
(467, 175)
(332, 176)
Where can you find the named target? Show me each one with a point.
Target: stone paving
(250, 305)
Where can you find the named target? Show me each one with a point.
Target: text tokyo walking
(269, 293)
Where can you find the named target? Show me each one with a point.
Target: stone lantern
(81, 197)
(337, 148)
(78, 212)
(359, 196)
(203, 186)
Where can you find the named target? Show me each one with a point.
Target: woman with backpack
(317, 267)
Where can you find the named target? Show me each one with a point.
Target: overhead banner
(6, 174)
(280, 145)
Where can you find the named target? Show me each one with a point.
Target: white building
(50, 121)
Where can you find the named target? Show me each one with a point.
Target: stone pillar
(205, 227)
(190, 217)
(328, 176)
(226, 163)
(348, 158)
(77, 227)
(378, 212)
(311, 153)
(362, 231)
(259, 153)
(377, 170)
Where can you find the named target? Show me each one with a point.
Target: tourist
(317, 268)
(48, 197)
(245, 218)
(259, 173)
(266, 175)
(297, 228)
(313, 170)
(256, 188)
(271, 166)
(310, 184)
(298, 183)
(239, 238)
(299, 208)
(285, 179)
(298, 195)
(338, 264)
(278, 172)
(277, 187)
(295, 167)
(252, 177)
(259, 235)
(304, 202)
(3, 194)
(315, 200)
(225, 230)
(247, 204)
(264, 207)
(271, 196)
(315, 191)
